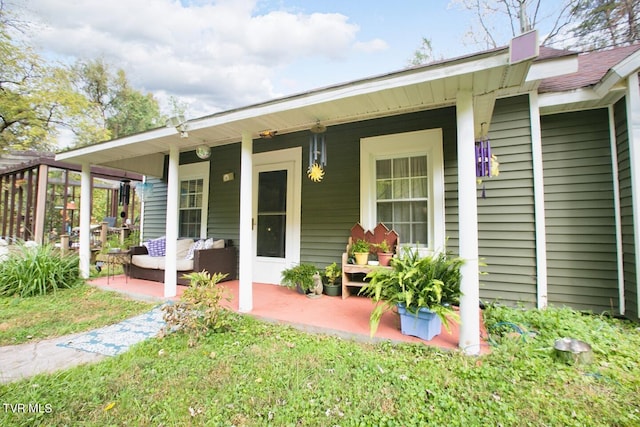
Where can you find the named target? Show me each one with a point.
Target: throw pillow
(198, 244)
(157, 247)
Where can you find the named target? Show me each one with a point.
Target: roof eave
(617, 73)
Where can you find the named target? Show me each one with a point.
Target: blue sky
(400, 24)
(215, 55)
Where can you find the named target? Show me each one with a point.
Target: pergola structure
(34, 188)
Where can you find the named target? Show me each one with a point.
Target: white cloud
(216, 54)
(375, 45)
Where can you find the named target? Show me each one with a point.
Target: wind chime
(124, 193)
(317, 153)
(486, 163)
(144, 190)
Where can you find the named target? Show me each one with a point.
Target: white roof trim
(116, 143)
(552, 68)
(618, 72)
(552, 99)
(445, 70)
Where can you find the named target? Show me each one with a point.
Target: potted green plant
(384, 253)
(360, 250)
(332, 273)
(422, 289)
(299, 277)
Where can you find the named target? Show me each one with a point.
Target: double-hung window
(193, 200)
(402, 196)
(402, 186)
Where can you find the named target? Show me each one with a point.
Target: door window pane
(272, 214)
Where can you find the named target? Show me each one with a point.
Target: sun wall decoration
(317, 153)
(315, 173)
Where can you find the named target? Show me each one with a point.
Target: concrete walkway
(25, 360)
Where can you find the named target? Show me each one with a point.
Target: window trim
(425, 142)
(198, 170)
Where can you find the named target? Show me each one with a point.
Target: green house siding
(331, 207)
(579, 211)
(626, 211)
(224, 197)
(155, 211)
(506, 221)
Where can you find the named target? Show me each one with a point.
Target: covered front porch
(347, 318)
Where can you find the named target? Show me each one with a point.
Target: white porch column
(246, 224)
(41, 204)
(171, 230)
(469, 339)
(538, 197)
(85, 220)
(633, 123)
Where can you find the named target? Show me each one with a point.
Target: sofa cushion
(157, 247)
(184, 264)
(158, 262)
(214, 244)
(182, 248)
(148, 262)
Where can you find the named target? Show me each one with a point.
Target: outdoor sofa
(211, 255)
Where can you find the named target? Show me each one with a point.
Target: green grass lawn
(63, 312)
(265, 374)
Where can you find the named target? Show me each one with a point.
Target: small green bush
(38, 270)
(199, 311)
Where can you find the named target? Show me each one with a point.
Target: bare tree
(578, 24)
(498, 21)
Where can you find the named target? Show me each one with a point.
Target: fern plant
(431, 282)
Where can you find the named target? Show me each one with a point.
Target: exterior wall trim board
(616, 209)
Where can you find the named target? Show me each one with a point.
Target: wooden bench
(380, 233)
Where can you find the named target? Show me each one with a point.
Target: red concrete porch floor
(348, 318)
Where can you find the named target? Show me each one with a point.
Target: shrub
(38, 270)
(199, 311)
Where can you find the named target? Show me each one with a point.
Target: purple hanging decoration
(483, 161)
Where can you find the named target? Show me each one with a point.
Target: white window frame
(192, 171)
(418, 143)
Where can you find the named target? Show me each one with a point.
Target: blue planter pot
(425, 325)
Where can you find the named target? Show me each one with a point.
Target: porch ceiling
(415, 89)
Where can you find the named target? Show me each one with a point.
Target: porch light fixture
(180, 124)
(203, 151)
(317, 152)
(268, 134)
